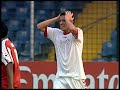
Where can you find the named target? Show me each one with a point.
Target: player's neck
(66, 32)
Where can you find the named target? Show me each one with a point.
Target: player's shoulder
(7, 43)
(54, 29)
(79, 29)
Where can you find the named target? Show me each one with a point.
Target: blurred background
(98, 19)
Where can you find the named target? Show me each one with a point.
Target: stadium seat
(37, 35)
(66, 4)
(10, 4)
(22, 3)
(40, 15)
(43, 40)
(99, 60)
(23, 36)
(107, 49)
(114, 35)
(12, 35)
(50, 5)
(13, 25)
(4, 14)
(22, 13)
(27, 25)
(114, 41)
(26, 49)
(114, 59)
(12, 13)
(37, 48)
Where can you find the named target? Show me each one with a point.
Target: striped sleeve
(6, 54)
(80, 35)
(50, 33)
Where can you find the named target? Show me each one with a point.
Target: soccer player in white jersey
(68, 42)
(10, 71)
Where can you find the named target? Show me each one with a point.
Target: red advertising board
(40, 75)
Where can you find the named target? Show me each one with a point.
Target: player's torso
(63, 44)
(9, 54)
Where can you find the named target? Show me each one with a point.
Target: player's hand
(69, 15)
(58, 17)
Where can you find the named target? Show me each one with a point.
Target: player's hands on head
(69, 15)
(58, 17)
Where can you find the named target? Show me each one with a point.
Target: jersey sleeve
(50, 33)
(79, 35)
(6, 55)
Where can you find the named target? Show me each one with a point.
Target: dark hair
(3, 30)
(62, 13)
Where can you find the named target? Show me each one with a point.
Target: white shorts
(69, 83)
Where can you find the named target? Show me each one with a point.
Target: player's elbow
(38, 26)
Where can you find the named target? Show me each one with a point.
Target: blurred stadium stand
(98, 19)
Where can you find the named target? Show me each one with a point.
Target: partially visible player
(68, 41)
(10, 78)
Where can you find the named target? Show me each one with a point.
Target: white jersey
(68, 52)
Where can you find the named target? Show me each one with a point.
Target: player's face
(62, 23)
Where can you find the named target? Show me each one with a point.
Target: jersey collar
(65, 33)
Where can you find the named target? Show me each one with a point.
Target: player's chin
(62, 28)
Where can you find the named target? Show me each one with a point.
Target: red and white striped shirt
(9, 54)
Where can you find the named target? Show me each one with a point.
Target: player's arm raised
(69, 21)
(42, 25)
